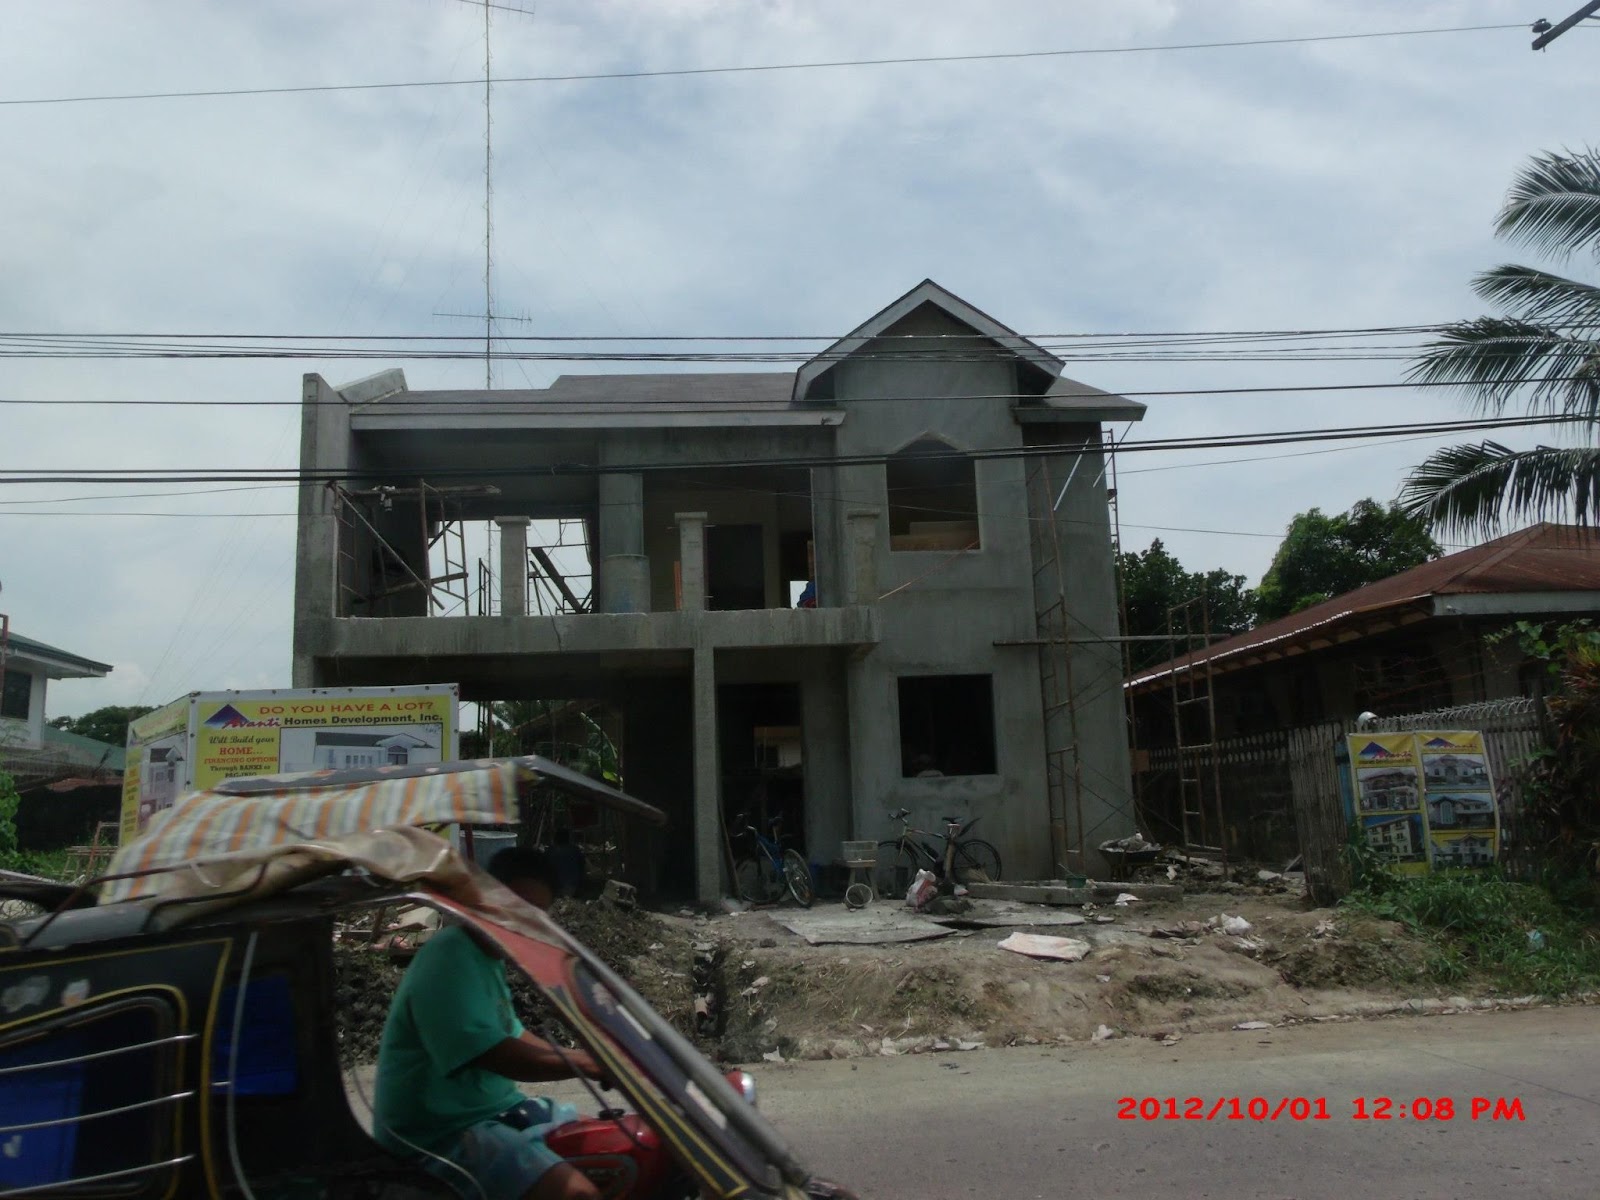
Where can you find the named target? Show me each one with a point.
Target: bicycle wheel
(897, 867)
(797, 874)
(976, 861)
(747, 880)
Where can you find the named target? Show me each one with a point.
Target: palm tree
(1543, 351)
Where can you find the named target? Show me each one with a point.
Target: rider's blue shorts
(496, 1161)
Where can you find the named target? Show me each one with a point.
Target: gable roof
(1543, 558)
(926, 292)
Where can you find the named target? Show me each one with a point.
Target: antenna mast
(488, 212)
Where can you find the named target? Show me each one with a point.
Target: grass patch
(47, 864)
(1517, 937)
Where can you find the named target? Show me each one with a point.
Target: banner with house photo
(1463, 820)
(1424, 800)
(1386, 796)
(238, 736)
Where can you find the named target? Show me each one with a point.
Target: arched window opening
(933, 498)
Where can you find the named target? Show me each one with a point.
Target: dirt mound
(1355, 954)
(655, 958)
(364, 982)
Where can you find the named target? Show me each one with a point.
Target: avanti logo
(229, 717)
(1443, 743)
(1373, 750)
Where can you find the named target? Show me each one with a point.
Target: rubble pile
(655, 958)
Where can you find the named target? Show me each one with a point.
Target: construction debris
(1050, 891)
(1038, 945)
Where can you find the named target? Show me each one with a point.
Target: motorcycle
(168, 1029)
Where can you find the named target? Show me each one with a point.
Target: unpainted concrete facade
(709, 499)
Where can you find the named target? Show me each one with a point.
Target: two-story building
(30, 750)
(885, 579)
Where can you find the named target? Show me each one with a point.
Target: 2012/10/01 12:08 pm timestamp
(1318, 1108)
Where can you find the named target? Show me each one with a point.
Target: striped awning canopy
(246, 816)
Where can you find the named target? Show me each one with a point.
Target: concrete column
(692, 560)
(707, 779)
(513, 565)
(861, 546)
(624, 568)
(825, 733)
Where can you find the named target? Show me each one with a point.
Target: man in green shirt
(452, 1055)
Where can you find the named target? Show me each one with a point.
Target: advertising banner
(197, 742)
(156, 771)
(236, 737)
(1424, 800)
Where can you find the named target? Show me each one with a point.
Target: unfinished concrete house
(884, 579)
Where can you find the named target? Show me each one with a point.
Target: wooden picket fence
(1281, 795)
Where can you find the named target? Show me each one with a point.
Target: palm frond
(1554, 203)
(1477, 489)
(1490, 360)
(1535, 295)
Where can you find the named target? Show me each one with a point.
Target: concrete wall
(941, 612)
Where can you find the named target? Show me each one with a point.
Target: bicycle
(962, 859)
(763, 879)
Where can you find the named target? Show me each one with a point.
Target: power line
(503, 406)
(29, 475)
(678, 72)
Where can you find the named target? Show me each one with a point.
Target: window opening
(933, 498)
(946, 725)
(14, 698)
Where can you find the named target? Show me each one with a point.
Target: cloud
(1335, 184)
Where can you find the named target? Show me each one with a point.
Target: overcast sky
(1338, 184)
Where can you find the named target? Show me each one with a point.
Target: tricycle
(168, 1029)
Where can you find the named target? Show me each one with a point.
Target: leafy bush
(1479, 925)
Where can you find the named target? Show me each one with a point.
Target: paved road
(1024, 1123)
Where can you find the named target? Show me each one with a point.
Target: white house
(28, 667)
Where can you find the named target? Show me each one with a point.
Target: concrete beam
(418, 638)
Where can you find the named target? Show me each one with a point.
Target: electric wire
(753, 68)
(123, 475)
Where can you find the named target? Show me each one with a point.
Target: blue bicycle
(764, 878)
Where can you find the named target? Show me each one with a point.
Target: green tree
(1323, 556)
(109, 724)
(1154, 582)
(1542, 353)
(528, 727)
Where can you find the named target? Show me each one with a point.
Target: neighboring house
(863, 550)
(28, 746)
(1414, 642)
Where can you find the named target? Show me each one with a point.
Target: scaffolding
(440, 572)
(372, 569)
(1062, 759)
(1194, 727)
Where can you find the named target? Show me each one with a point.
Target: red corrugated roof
(1541, 558)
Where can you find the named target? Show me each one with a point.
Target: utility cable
(679, 72)
(30, 475)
